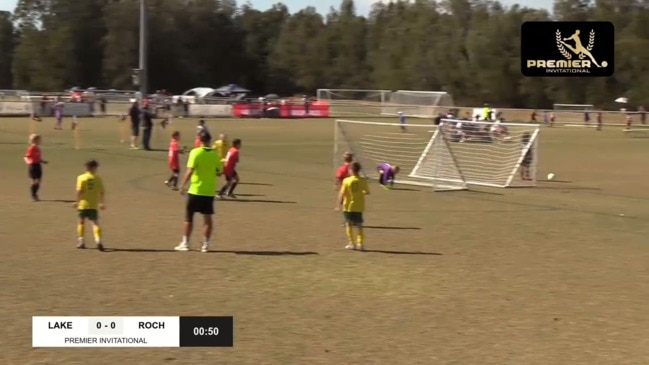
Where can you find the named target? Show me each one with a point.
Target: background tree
(469, 48)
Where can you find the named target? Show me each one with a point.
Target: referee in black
(147, 125)
(134, 115)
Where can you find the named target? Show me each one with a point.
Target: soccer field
(556, 274)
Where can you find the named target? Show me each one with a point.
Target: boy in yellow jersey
(352, 201)
(222, 146)
(90, 199)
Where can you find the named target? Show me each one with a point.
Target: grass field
(548, 275)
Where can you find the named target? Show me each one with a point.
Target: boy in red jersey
(34, 159)
(230, 170)
(197, 141)
(343, 171)
(174, 160)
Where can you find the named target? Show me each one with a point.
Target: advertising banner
(15, 108)
(209, 110)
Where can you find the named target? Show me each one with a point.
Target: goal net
(573, 107)
(374, 143)
(490, 154)
(350, 102)
(418, 104)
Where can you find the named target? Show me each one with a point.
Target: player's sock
(34, 189)
(81, 230)
(185, 240)
(96, 230)
(206, 240)
(223, 189)
(231, 190)
(360, 237)
(350, 234)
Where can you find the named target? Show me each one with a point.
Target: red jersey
(197, 142)
(231, 161)
(343, 172)
(174, 150)
(33, 154)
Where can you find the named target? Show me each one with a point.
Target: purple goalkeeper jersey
(388, 172)
(58, 110)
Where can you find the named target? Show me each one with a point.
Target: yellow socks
(360, 236)
(97, 232)
(80, 230)
(350, 233)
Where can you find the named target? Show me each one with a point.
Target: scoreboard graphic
(132, 331)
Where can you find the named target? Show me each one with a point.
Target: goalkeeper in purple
(387, 174)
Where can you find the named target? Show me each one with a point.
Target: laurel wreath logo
(591, 43)
(562, 50)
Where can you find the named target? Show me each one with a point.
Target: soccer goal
(452, 156)
(373, 143)
(573, 107)
(417, 104)
(351, 102)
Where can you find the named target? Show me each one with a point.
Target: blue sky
(363, 6)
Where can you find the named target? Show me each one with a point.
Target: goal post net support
(417, 104)
(452, 156)
(374, 143)
(573, 107)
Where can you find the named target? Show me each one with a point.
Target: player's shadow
(405, 189)
(258, 201)
(267, 253)
(556, 181)
(58, 201)
(405, 252)
(255, 184)
(250, 195)
(392, 227)
(567, 188)
(147, 250)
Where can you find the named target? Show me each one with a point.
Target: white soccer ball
(550, 176)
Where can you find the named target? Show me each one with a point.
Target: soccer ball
(550, 176)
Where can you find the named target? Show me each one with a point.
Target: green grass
(549, 275)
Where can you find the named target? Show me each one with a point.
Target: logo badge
(567, 49)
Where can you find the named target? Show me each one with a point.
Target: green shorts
(353, 218)
(91, 214)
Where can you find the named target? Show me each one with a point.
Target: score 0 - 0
(105, 325)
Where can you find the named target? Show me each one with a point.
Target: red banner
(316, 109)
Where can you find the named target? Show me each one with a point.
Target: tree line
(469, 48)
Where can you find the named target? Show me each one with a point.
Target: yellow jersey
(92, 188)
(354, 189)
(222, 147)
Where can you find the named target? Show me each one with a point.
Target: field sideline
(549, 275)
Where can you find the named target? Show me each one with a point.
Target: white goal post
(452, 156)
(417, 104)
(353, 102)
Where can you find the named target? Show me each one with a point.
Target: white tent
(198, 92)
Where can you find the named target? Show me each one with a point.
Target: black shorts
(199, 204)
(175, 171)
(135, 129)
(35, 171)
(527, 160)
(231, 176)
